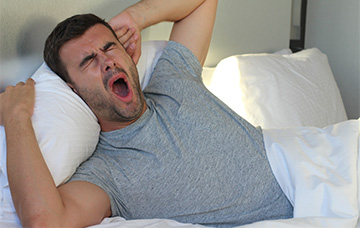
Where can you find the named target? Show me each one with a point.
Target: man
(174, 151)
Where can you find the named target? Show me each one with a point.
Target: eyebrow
(93, 55)
(107, 46)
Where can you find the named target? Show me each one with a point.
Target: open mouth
(120, 87)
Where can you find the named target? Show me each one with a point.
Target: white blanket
(318, 169)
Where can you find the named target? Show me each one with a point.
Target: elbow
(48, 219)
(39, 221)
(33, 222)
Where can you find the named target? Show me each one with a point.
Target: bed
(312, 146)
(308, 145)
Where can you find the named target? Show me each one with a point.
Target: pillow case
(66, 129)
(151, 52)
(280, 91)
(207, 73)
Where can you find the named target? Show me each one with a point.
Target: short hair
(65, 31)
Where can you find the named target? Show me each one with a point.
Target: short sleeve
(96, 171)
(177, 60)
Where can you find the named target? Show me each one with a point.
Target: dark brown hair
(65, 31)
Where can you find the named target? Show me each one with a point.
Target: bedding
(286, 90)
(328, 156)
(317, 168)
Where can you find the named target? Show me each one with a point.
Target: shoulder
(178, 58)
(176, 50)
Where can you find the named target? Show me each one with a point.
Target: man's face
(105, 77)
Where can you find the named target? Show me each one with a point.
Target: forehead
(93, 39)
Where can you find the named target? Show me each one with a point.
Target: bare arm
(195, 30)
(194, 20)
(37, 200)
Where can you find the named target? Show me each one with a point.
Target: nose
(108, 63)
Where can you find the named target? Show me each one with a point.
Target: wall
(241, 27)
(333, 26)
(246, 26)
(25, 24)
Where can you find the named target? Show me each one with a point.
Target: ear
(73, 88)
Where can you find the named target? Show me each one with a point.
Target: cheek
(93, 97)
(86, 79)
(121, 56)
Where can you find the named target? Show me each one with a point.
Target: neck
(116, 125)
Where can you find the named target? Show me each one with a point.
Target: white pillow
(279, 91)
(151, 52)
(66, 129)
(207, 72)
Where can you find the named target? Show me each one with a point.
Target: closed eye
(107, 47)
(87, 59)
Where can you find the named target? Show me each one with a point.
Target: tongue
(120, 88)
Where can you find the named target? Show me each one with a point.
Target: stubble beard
(105, 108)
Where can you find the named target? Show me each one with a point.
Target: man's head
(86, 53)
(65, 31)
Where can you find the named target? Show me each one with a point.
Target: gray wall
(241, 27)
(333, 26)
(25, 24)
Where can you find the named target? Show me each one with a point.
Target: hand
(128, 38)
(129, 33)
(17, 101)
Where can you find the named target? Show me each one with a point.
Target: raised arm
(195, 30)
(194, 21)
(37, 200)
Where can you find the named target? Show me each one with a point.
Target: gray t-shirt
(188, 158)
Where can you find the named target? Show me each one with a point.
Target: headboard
(246, 26)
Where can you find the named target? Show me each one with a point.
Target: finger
(9, 87)
(30, 81)
(20, 84)
(135, 37)
(127, 37)
(132, 41)
(126, 44)
(136, 55)
(131, 49)
(122, 31)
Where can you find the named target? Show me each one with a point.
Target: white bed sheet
(318, 169)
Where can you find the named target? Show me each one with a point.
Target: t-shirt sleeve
(95, 171)
(177, 72)
(177, 61)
